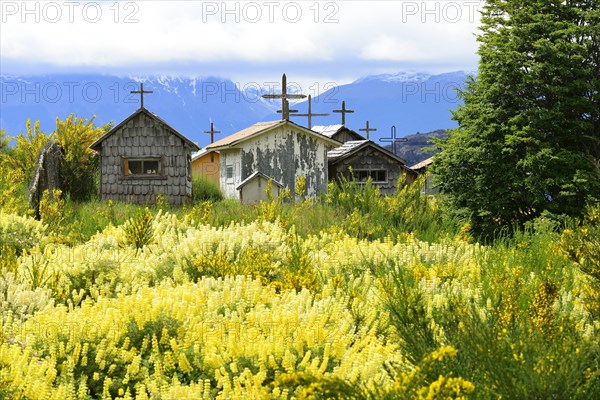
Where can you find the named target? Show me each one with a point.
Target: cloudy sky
(314, 42)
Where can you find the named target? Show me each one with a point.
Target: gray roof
(345, 149)
(151, 115)
(254, 175)
(327, 130)
(352, 146)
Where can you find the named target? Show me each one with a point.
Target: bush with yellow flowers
(167, 306)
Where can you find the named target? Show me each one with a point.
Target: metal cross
(394, 139)
(141, 93)
(367, 129)
(343, 111)
(309, 114)
(212, 139)
(284, 96)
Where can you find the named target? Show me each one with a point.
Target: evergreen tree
(528, 139)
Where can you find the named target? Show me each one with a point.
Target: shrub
(138, 229)
(79, 164)
(204, 189)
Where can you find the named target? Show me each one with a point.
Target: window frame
(372, 173)
(229, 168)
(127, 174)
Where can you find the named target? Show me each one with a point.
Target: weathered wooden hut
(280, 150)
(363, 159)
(143, 157)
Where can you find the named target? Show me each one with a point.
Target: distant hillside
(411, 102)
(412, 150)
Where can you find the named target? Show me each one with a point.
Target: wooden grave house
(144, 157)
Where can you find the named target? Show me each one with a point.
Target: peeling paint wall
(285, 154)
(143, 137)
(230, 157)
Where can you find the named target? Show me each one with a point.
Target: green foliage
(529, 130)
(205, 189)
(21, 233)
(138, 229)
(372, 216)
(4, 141)
(20, 160)
(52, 208)
(582, 245)
(315, 316)
(79, 164)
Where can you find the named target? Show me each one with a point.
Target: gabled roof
(353, 146)
(202, 153)
(260, 128)
(422, 164)
(254, 175)
(332, 130)
(96, 144)
(327, 130)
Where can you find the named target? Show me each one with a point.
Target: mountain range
(412, 102)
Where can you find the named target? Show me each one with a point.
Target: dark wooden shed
(143, 157)
(364, 159)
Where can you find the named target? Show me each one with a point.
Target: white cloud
(243, 34)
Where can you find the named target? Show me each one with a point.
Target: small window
(377, 176)
(141, 166)
(229, 171)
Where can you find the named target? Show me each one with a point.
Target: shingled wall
(145, 137)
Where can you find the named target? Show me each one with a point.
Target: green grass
(204, 189)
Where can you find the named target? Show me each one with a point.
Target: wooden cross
(141, 93)
(309, 114)
(394, 139)
(284, 96)
(343, 111)
(212, 132)
(367, 129)
(212, 139)
(287, 110)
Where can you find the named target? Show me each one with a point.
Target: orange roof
(422, 164)
(244, 133)
(261, 127)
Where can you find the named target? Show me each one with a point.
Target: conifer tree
(528, 139)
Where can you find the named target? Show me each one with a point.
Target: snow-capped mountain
(413, 102)
(397, 78)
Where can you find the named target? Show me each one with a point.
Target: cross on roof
(284, 96)
(309, 114)
(286, 110)
(367, 129)
(212, 132)
(212, 139)
(393, 139)
(343, 111)
(141, 93)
